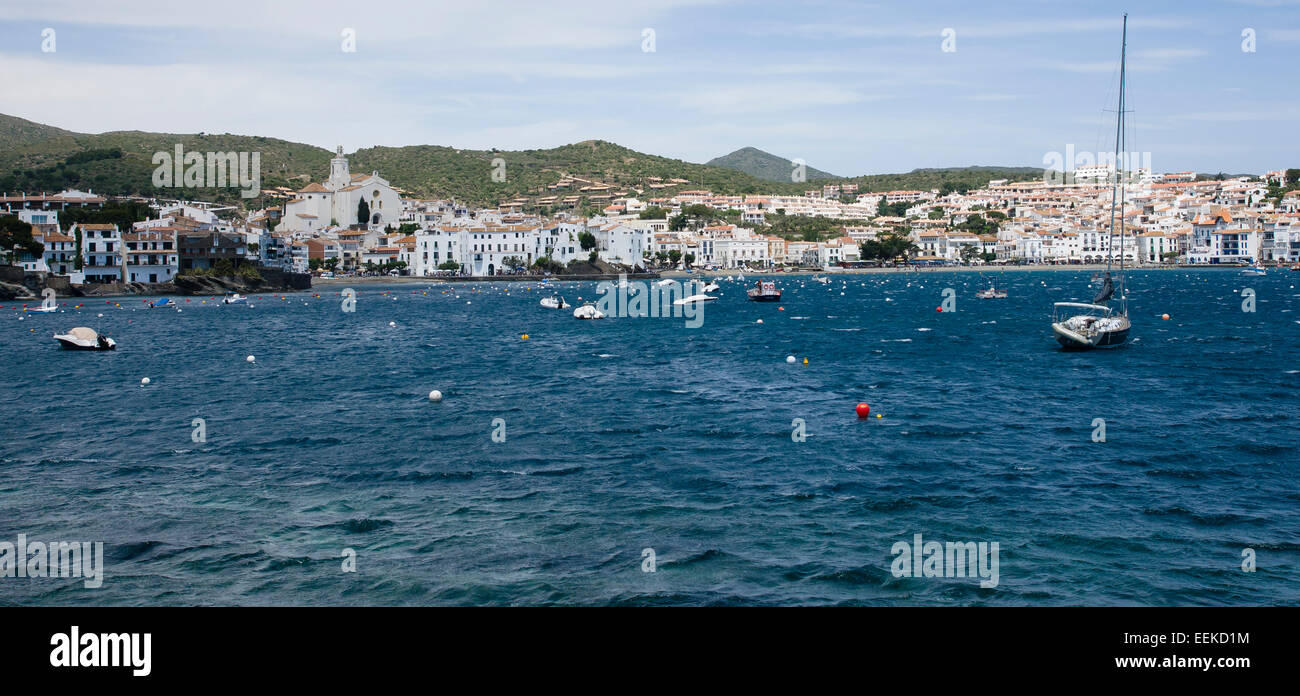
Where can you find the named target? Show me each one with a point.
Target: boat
(992, 293)
(43, 309)
(1082, 326)
(693, 299)
(84, 338)
(164, 302)
(764, 291)
(1254, 270)
(711, 287)
(554, 302)
(588, 311)
(821, 279)
(236, 298)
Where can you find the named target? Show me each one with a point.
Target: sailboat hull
(1072, 340)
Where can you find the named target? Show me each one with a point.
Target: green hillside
(35, 157)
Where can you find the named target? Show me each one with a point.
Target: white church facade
(335, 202)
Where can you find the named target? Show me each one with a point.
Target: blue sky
(849, 87)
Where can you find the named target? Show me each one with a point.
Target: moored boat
(85, 338)
(764, 291)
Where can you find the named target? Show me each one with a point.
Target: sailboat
(1079, 325)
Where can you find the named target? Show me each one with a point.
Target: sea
(641, 461)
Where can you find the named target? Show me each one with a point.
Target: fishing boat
(554, 302)
(236, 298)
(588, 311)
(1081, 326)
(164, 302)
(992, 293)
(85, 338)
(764, 291)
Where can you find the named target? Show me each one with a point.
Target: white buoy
(250, 359)
(435, 395)
(144, 381)
(789, 359)
(101, 314)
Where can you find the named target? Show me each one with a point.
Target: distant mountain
(36, 157)
(764, 165)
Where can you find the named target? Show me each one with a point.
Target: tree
(587, 240)
(674, 256)
(969, 252)
(654, 212)
(223, 267)
(363, 212)
(314, 264)
(591, 258)
(17, 235)
(449, 265)
(689, 259)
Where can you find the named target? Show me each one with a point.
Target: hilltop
(764, 165)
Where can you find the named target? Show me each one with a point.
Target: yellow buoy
(524, 337)
(805, 361)
(879, 416)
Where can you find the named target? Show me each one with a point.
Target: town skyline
(850, 89)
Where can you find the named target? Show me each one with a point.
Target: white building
(337, 200)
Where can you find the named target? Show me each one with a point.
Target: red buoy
(863, 410)
(938, 309)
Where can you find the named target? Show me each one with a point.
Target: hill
(764, 165)
(36, 157)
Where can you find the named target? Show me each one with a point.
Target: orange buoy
(863, 410)
(1165, 317)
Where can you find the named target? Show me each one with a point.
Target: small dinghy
(164, 302)
(85, 338)
(41, 310)
(992, 293)
(554, 302)
(588, 311)
(711, 287)
(693, 299)
(235, 299)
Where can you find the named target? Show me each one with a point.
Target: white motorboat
(42, 309)
(554, 302)
(235, 299)
(85, 338)
(588, 311)
(1254, 271)
(711, 287)
(665, 282)
(992, 293)
(693, 299)
(822, 279)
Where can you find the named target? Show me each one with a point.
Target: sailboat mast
(1119, 131)
(1116, 194)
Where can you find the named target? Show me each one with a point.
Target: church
(320, 206)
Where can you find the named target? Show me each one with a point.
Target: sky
(848, 87)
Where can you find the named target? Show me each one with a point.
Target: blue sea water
(635, 433)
